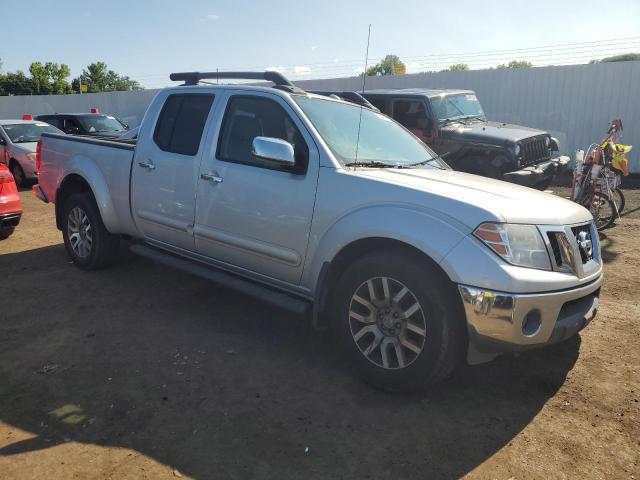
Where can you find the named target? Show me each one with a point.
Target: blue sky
(148, 39)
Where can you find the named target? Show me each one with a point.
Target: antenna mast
(364, 82)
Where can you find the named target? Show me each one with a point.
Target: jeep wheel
(398, 319)
(86, 239)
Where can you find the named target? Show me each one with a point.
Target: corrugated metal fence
(574, 103)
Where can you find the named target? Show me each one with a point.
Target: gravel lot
(143, 372)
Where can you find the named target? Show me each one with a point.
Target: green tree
(50, 78)
(516, 64)
(458, 67)
(99, 78)
(16, 84)
(625, 57)
(386, 66)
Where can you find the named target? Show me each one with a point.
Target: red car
(10, 208)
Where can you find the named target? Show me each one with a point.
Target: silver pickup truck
(320, 206)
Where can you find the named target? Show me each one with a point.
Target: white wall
(574, 103)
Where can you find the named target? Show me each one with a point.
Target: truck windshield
(452, 107)
(381, 141)
(27, 132)
(101, 123)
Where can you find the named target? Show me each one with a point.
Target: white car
(18, 142)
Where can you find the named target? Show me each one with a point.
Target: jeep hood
(493, 133)
(472, 199)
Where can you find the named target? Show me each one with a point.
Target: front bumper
(535, 174)
(500, 322)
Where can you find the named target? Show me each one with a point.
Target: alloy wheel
(387, 323)
(79, 232)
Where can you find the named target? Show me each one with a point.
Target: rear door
(250, 215)
(165, 170)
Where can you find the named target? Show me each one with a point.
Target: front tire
(399, 320)
(89, 244)
(18, 174)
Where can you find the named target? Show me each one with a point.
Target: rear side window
(181, 122)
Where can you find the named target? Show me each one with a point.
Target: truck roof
(424, 92)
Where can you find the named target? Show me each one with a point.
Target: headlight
(516, 150)
(547, 141)
(520, 245)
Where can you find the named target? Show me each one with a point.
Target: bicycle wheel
(618, 198)
(603, 211)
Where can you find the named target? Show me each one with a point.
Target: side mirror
(2, 141)
(274, 150)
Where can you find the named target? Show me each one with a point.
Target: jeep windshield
(457, 107)
(27, 132)
(379, 143)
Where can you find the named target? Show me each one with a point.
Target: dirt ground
(139, 371)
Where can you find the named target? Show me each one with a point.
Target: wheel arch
(89, 180)
(332, 269)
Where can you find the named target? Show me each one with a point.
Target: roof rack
(280, 81)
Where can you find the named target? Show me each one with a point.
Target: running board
(224, 279)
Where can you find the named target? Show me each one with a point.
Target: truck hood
(472, 199)
(492, 133)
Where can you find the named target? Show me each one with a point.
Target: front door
(252, 216)
(165, 170)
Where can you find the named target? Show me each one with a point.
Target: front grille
(534, 151)
(582, 233)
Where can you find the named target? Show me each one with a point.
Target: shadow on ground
(207, 381)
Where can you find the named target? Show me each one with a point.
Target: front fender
(86, 168)
(431, 232)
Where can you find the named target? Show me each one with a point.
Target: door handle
(212, 177)
(148, 165)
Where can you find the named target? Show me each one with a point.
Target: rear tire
(402, 340)
(5, 232)
(89, 244)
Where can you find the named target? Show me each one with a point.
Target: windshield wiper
(373, 164)
(429, 160)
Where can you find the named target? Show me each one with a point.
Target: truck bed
(104, 162)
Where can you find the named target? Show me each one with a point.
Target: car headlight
(547, 141)
(520, 245)
(516, 150)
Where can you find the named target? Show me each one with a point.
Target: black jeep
(453, 124)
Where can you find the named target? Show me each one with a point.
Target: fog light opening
(531, 323)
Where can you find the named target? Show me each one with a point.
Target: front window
(359, 135)
(27, 132)
(101, 124)
(454, 107)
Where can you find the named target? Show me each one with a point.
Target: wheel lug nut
(398, 325)
(387, 310)
(392, 331)
(395, 315)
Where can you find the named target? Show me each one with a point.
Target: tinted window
(379, 103)
(181, 123)
(250, 117)
(410, 113)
